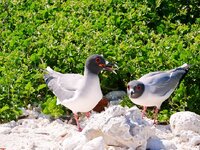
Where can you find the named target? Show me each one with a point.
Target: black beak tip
(132, 92)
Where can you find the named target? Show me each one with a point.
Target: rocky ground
(116, 128)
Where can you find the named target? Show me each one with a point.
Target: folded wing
(64, 86)
(163, 82)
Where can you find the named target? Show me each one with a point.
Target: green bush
(140, 36)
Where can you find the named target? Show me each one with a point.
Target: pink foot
(155, 121)
(77, 122)
(144, 111)
(80, 129)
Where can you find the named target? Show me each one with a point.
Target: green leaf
(4, 108)
(41, 86)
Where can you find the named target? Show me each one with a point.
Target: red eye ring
(97, 60)
(128, 87)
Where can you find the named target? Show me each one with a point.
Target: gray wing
(63, 86)
(150, 74)
(163, 82)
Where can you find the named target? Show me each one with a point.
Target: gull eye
(97, 60)
(128, 87)
(138, 87)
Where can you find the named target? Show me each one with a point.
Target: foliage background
(139, 35)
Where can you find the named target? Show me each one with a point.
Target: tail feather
(49, 69)
(185, 67)
(47, 75)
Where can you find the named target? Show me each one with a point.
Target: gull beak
(110, 67)
(132, 92)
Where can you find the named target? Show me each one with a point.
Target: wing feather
(64, 86)
(163, 82)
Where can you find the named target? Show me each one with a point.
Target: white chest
(87, 97)
(149, 99)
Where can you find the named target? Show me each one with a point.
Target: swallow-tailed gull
(79, 93)
(154, 88)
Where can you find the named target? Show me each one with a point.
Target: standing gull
(79, 93)
(154, 88)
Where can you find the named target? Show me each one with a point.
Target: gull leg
(144, 111)
(156, 115)
(78, 125)
(88, 114)
(77, 122)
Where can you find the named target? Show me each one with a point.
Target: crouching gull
(154, 88)
(79, 93)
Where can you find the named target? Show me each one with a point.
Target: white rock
(41, 115)
(95, 144)
(30, 123)
(155, 143)
(116, 128)
(74, 142)
(10, 124)
(186, 128)
(114, 148)
(13, 123)
(185, 121)
(43, 122)
(195, 141)
(58, 128)
(5, 130)
(120, 127)
(24, 111)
